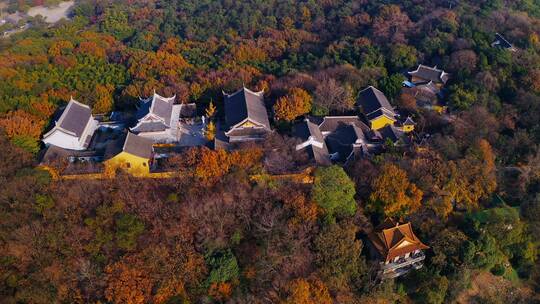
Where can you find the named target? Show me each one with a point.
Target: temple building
(246, 117)
(342, 139)
(501, 42)
(157, 119)
(131, 153)
(397, 249)
(376, 108)
(74, 129)
(406, 126)
(425, 74)
(346, 136)
(426, 86)
(312, 142)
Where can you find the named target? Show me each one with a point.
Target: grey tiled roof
(343, 150)
(132, 144)
(245, 104)
(430, 74)
(151, 126)
(380, 112)
(332, 123)
(409, 121)
(162, 109)
(75, 117)
(138, 145)
(347, 134)
(53, 153)
(371, 100)
(250, 132)
(319, 155)
(502, 42)
(158, 106)
(390, 132)
(305, 129)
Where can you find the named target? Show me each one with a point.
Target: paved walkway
(191, 135)
(52, 14)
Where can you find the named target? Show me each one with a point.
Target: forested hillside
(470, 185)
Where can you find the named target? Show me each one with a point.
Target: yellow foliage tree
(393, 193)
(212, 165)
(308, 291)
(210, 110)
(210, 132)
(296, 103)
(103, 101)
(474, 177)
(58, 48)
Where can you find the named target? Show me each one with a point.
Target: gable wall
(130, 163)
(380, 122)
(63, 140)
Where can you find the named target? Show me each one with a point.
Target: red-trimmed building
(397, 248)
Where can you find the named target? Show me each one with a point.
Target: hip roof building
(376, 108)
(426, 74)
(157, 118)
(74, 129)
(397, 248)
(246, 117)
(131, 153)
(313, 142)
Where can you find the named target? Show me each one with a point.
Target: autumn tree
(102, 99)
(297, 102)
(473, 178)
(210, 110)
(407, 101)
(393, 194)
(337, 256)
(330, 96)
(463, 60)
(23, 129)
(211, 165)
(308, 291)
(334, 191)
(127, 282)
(210, 132)
(391, 25)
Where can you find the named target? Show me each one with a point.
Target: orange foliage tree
(393, 193)
(103, 101)
(21, 123)
(305, 210)
(169, 290)
(60, 47)
(91, 48)
(127, 282)
(308, 291)
(296, 103)
(210, 165)
(220, 291)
